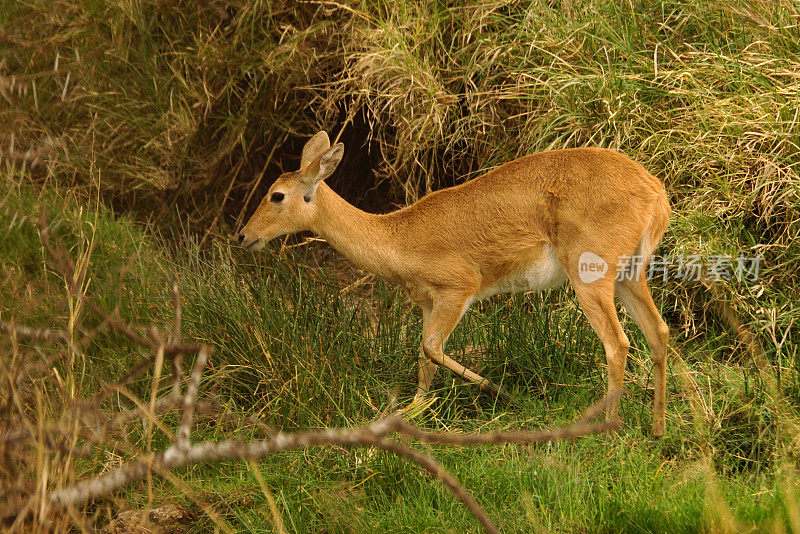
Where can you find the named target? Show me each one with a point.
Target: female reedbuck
(527, 225)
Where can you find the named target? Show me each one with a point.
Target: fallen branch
(372, 435)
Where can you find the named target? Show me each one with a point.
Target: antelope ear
(329, 161)
(315, 147)
(323, 167)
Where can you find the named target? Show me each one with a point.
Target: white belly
(544, 274)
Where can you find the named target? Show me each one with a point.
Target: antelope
(528, 225)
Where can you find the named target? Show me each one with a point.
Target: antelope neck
(364, 238)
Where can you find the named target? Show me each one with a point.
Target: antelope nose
(241, 238)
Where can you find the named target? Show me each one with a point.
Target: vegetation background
(149, 130)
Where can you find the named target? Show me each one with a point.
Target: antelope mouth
(257, 244)
(253, 244)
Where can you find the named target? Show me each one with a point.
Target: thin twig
(441, 474)
(489, 438)
(36, 334)
(189, 400)
(176, 302)
(258, 182)
(62, 261)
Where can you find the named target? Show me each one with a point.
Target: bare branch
(573, 431)
(372, 435)
(578, 429)
(174, 457)
(182, 440)
(176, 301)
(36, 334)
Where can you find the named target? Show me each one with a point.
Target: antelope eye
(276, 197)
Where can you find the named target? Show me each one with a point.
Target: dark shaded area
(355, 179)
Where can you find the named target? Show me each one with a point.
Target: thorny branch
(182, 452)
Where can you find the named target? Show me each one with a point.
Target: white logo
(591, 267)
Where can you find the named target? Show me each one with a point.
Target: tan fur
(495, 233)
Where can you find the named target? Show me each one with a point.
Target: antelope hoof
(498, 391)
(658, 429)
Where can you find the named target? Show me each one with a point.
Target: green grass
(301, 353)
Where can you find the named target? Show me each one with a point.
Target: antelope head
(290, 204)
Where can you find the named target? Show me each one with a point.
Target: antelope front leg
(444, 317)
(426, 371)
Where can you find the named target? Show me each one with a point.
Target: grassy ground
(149, 130)
(299, 351)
